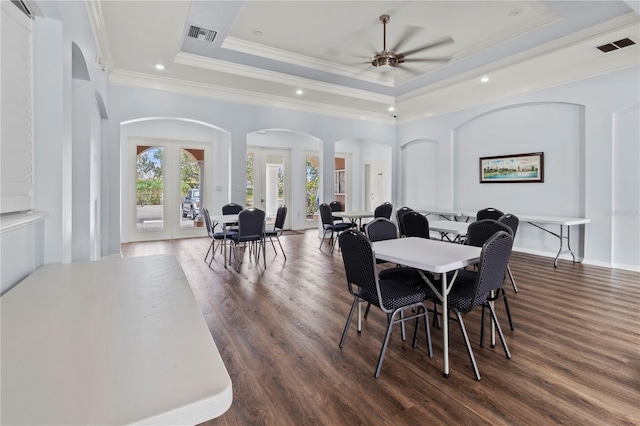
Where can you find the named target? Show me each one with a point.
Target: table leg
(445, 326)
(224, 241)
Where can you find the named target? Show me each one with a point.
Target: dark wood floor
(575, 349)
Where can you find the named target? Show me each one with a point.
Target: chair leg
(482, 328)
(366, 311)
(384, 345)
(324, 234)
(273, 245)
(513, 282)
(281, 249)
(426, 326)
(346, 327)
(209, 250)
(506, 305)
(504, 342)
(466, 340)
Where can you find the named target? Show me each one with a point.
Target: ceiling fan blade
(408, 34)
(441, 42)
(439, 59)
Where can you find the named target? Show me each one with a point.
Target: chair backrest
(336, 206)
(511, 221)
(493, 264)
(384, 210)
(481, 231)
(381, 229)
(232, 208)
(325, 214)
(281, 215)
(399, 213)
(415, 224)
(359, 262)
(207, 221)
(488, 213)
(251, 222)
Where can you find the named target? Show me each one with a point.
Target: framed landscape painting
(512, 168)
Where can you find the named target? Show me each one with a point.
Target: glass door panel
(191, 161)
(149, 188)
(313, 181)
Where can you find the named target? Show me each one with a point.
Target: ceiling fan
(388, 59)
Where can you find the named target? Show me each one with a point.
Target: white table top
(225, 218)
(442, 212)
(430, 255)
(448, 226)
(110, 342)
(553, 220)
(353, 214)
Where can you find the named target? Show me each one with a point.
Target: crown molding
(268, 52)
(149, 81)
(276, 77)
(614, 25)
(96, 18)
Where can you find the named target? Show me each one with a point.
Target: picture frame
(519, 168)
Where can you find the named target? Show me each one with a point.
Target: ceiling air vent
(616, 45)
(201, 33)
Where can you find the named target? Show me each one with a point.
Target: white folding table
(449, 227)
(434, 256)
(354, 216)
(110, 342)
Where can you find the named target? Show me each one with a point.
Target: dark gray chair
(399, 213)
(336, 206)
(478, 234)
(383, 210)
(250, 230)
(215, 236)
(488, 213)
(329, 226)
(278, 228)
(512, 222)
(478, 289)
(232, 208)
(415, 224)
(391, 296)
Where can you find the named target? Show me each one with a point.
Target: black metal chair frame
(512, 222)
(415, 224)
(328, 226)
(399, 213)
(480, 290)
(391, 296)
(250, 230)
(278, 228)
(219, 236)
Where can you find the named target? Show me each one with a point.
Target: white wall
(419, 174)
(579, 126)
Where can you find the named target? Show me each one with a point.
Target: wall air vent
(201, 33)
(616, 45)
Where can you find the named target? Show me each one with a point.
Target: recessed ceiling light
(159, 67)
(484, 79)
(391, 108)
(514, 12)
(258, 33)
(299, 92)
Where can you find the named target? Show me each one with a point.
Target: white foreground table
(435, 256)
(109, 343)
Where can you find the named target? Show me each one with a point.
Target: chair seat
(272, 233)
(220, 235)
(339, 227)
(244, 238)
(395, 294)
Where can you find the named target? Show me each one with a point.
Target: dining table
(450, 230)
(354, 216)
(434, 256)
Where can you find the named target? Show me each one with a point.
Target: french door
(268, 180)
(375, 185)
(160, 174)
